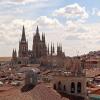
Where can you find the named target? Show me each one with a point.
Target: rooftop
(39, 92)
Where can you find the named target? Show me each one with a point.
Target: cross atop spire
(23, 35)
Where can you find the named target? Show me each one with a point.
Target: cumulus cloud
(96, 12)
(48, 22)
(73, 10)
(42, 21)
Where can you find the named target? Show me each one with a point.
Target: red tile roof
(40, 92)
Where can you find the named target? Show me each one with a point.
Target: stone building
(39, 51)
(71, 82)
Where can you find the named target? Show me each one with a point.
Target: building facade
(71, 82)
(39, 50)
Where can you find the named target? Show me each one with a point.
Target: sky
(73, 23)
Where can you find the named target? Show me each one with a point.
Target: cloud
(73, 10)
(84, 31)
(81, 37)
(72, 37)
(21, 1)
(48, 22)
(96, 12)
(43, 22)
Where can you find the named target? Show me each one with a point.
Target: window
(64, 88)
(59, 85)
(19, 62)
(79, 87)
(72, 87)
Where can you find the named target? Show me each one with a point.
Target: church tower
(23, 48)
(14, 54)
(39, 48)
(14, 57)
(36, 44)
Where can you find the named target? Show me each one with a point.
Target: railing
(66, 74)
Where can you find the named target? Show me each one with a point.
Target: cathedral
(40, 52)
(69, 77)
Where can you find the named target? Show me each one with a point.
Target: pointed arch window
(79, 87)
(72, 87)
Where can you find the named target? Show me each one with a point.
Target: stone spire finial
(23, 34)
(37, 30)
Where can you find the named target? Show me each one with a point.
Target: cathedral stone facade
(39, 52)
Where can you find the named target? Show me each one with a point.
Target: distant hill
(3, 59)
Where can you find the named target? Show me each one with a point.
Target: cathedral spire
(60, 47)
(43, 37)
(37, 30)
(13, 53)
(23, 35)
(53, 48)
(37, 34)
(48, 49)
